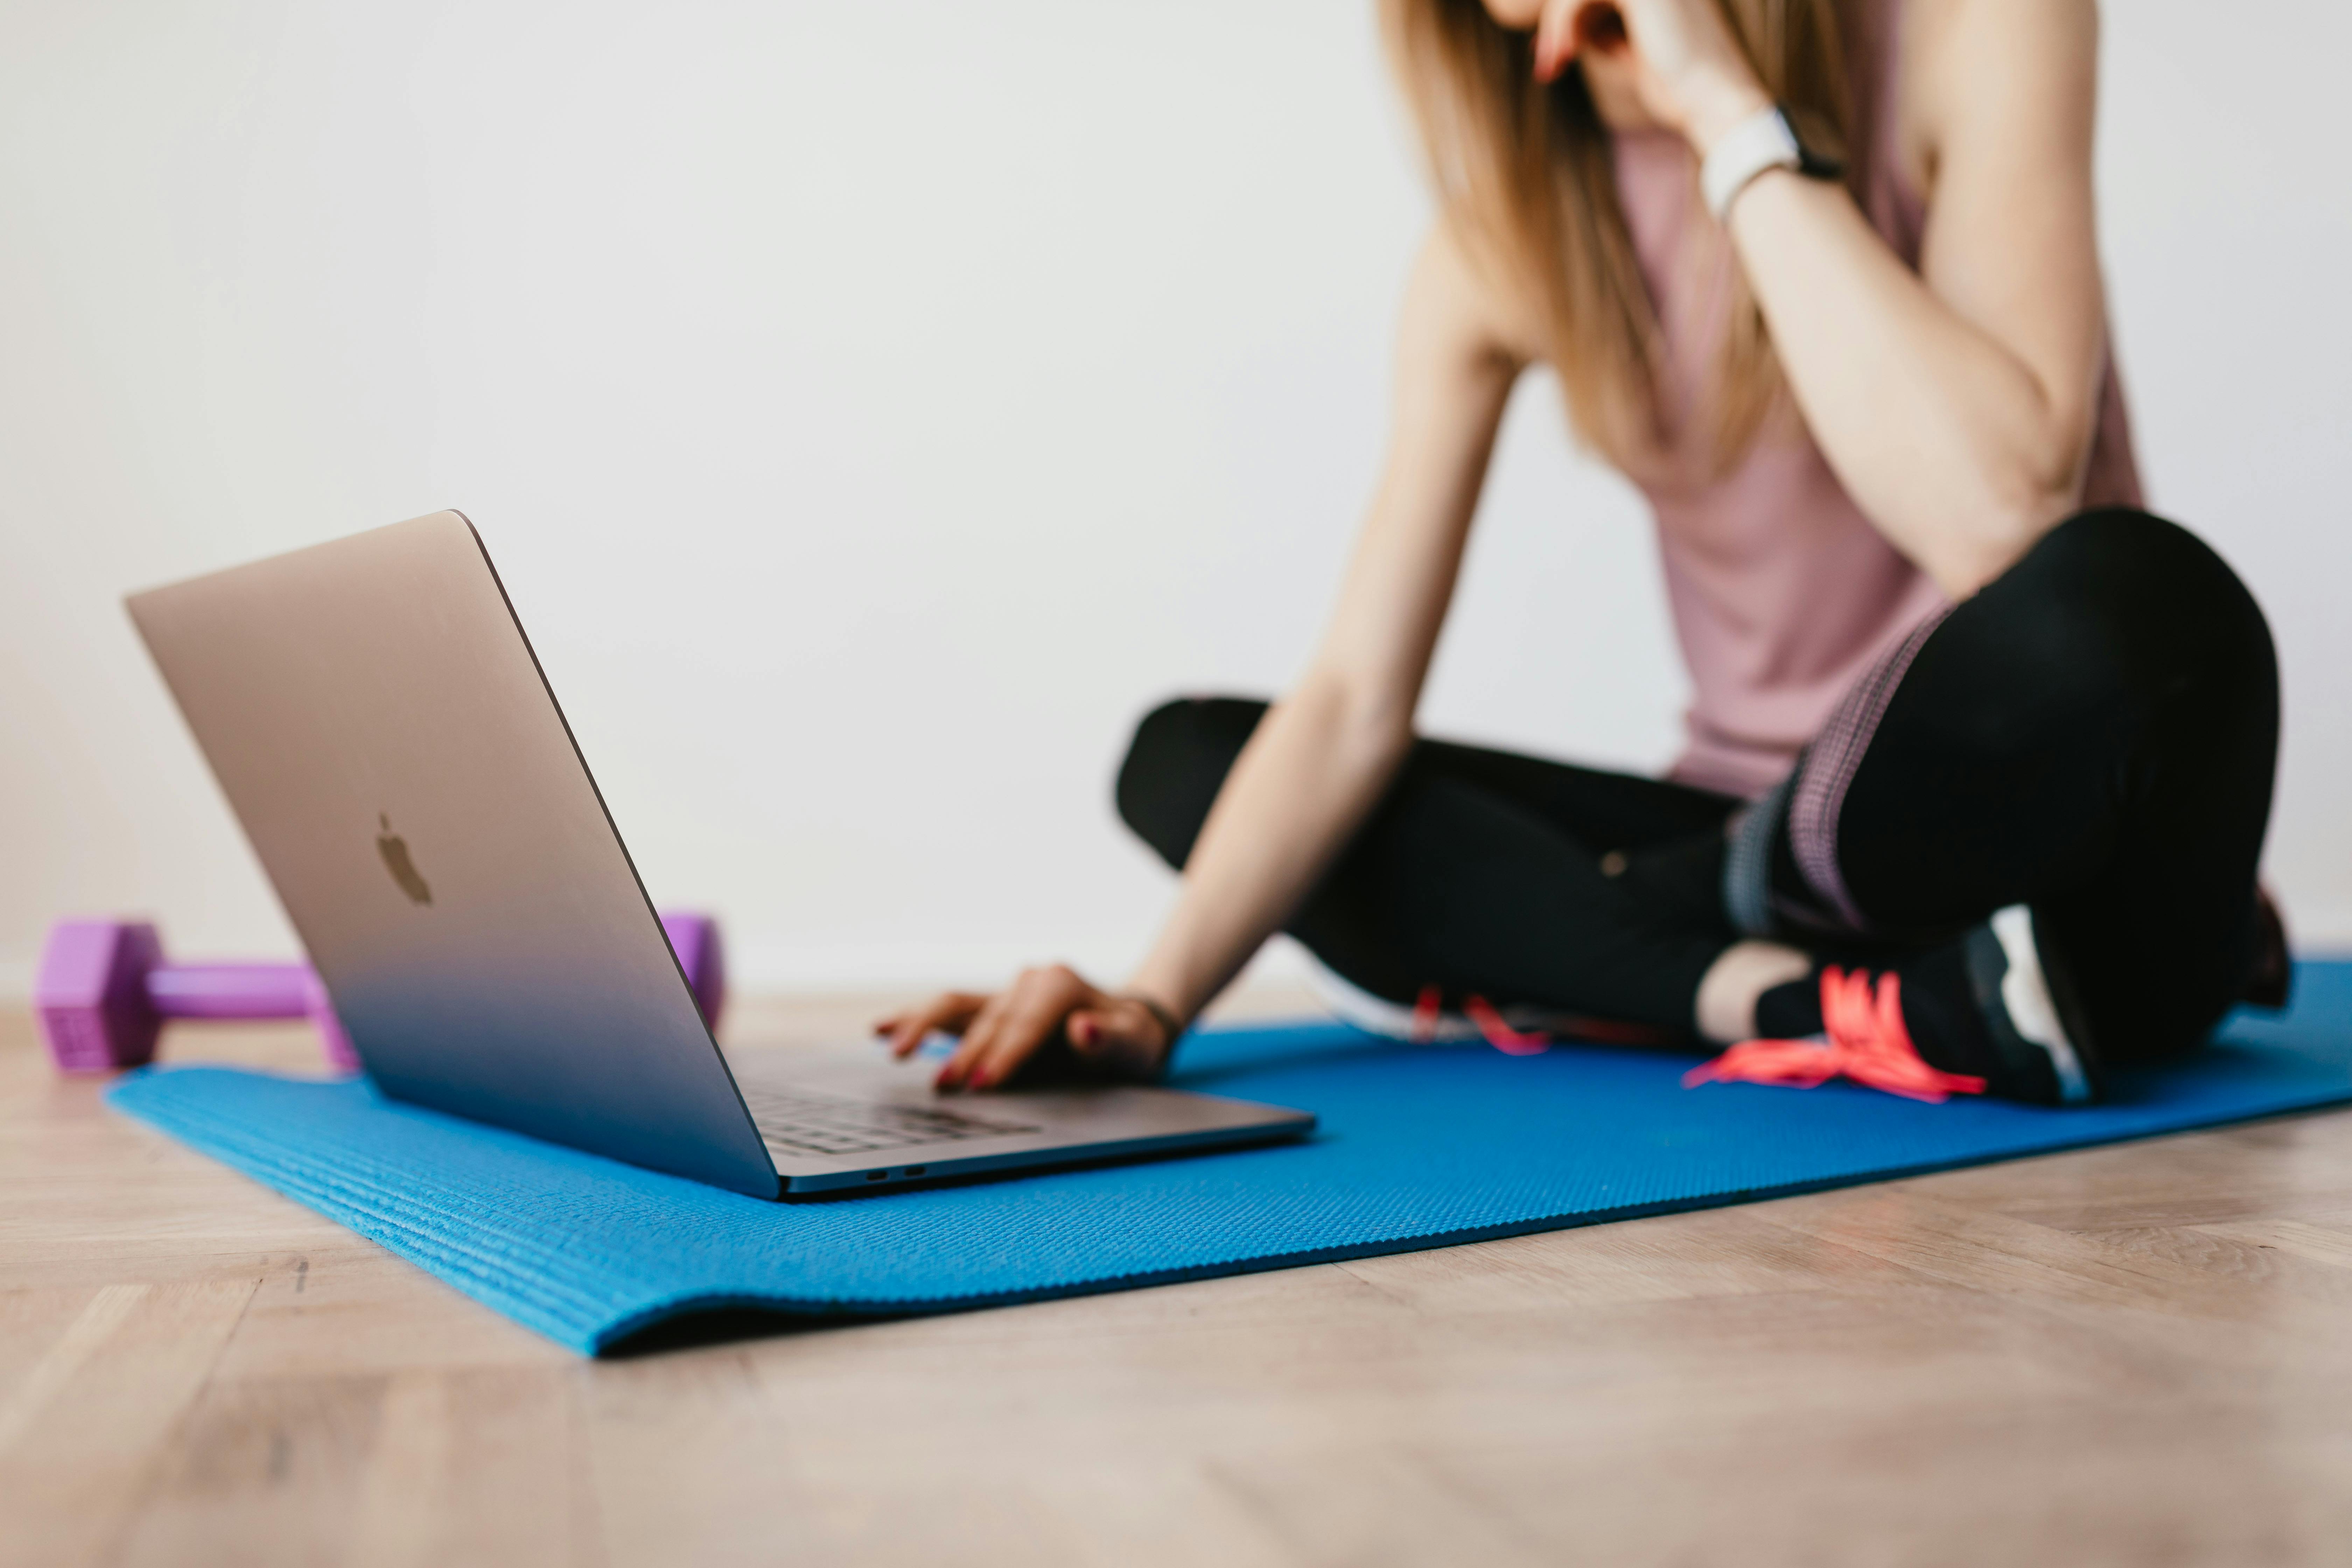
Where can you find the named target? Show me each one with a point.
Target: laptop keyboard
(827, 1124)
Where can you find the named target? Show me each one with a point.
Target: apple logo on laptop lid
(394, 850)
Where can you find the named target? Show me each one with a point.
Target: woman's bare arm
(1957, 404)
(1324, 754)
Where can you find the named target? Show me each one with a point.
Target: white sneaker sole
(1353, 1005)
(1376, 1015)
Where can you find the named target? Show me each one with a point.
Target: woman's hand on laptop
(1110, 1035)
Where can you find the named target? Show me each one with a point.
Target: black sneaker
(1988, 1005)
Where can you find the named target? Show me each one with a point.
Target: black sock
(1792, 1009)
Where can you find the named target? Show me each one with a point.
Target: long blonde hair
(1524, 171)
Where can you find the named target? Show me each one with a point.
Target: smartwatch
(1767, 139)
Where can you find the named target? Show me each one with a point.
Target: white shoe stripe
(2025, 992)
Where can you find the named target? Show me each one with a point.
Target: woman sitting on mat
(1980, 756)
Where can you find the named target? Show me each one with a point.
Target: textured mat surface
(1419, 1147)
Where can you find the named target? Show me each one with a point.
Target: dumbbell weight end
(90, 995)
(701, 958)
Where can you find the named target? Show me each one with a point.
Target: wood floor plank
(337, 1311)
(474, 1467)
(2027, 1479)
(83, 1431)
(259, 1474)
(31, 1321)
(1380, 1506)
(2327, 1245)
(1712, 1253)
(1910, 1225)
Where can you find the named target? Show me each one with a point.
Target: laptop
(380, 726)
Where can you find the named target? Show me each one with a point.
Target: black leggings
(2094, 735)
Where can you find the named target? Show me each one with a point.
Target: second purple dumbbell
(103, 992)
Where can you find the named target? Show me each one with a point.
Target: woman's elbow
(2025, 496)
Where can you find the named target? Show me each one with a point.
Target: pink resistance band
(1479, 1011)
(1498, 1032)
(1865, 1041)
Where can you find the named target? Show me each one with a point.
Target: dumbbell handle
(231, 990)
(100, 993)
(291, 991)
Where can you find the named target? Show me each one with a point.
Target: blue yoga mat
(1419, 1147)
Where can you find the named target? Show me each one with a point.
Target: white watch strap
(1762, 141)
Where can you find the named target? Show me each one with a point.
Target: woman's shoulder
(1461, 293)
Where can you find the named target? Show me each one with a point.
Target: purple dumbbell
(104, 992)
(703, 958)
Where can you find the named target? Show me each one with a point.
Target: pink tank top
(1782, 590)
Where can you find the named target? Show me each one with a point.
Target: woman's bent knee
(2130, 562)
(1175, 765)
(2143, 596)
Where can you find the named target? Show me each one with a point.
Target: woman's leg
(1481, 873)
(2093, 735)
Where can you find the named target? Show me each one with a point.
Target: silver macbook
(383, 731)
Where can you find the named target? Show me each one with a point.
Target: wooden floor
(2138, 1355)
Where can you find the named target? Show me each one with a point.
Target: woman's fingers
(1117, 1036)
(977, 1034)
(1556, 37)
(1032, 1015)
(951, 1014)
(1565, 27)
(952, 1011)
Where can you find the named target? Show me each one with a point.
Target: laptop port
(878, 1175)
(915, 1170)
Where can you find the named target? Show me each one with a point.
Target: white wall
(873, 408)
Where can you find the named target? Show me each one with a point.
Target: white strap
(1761, 142)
